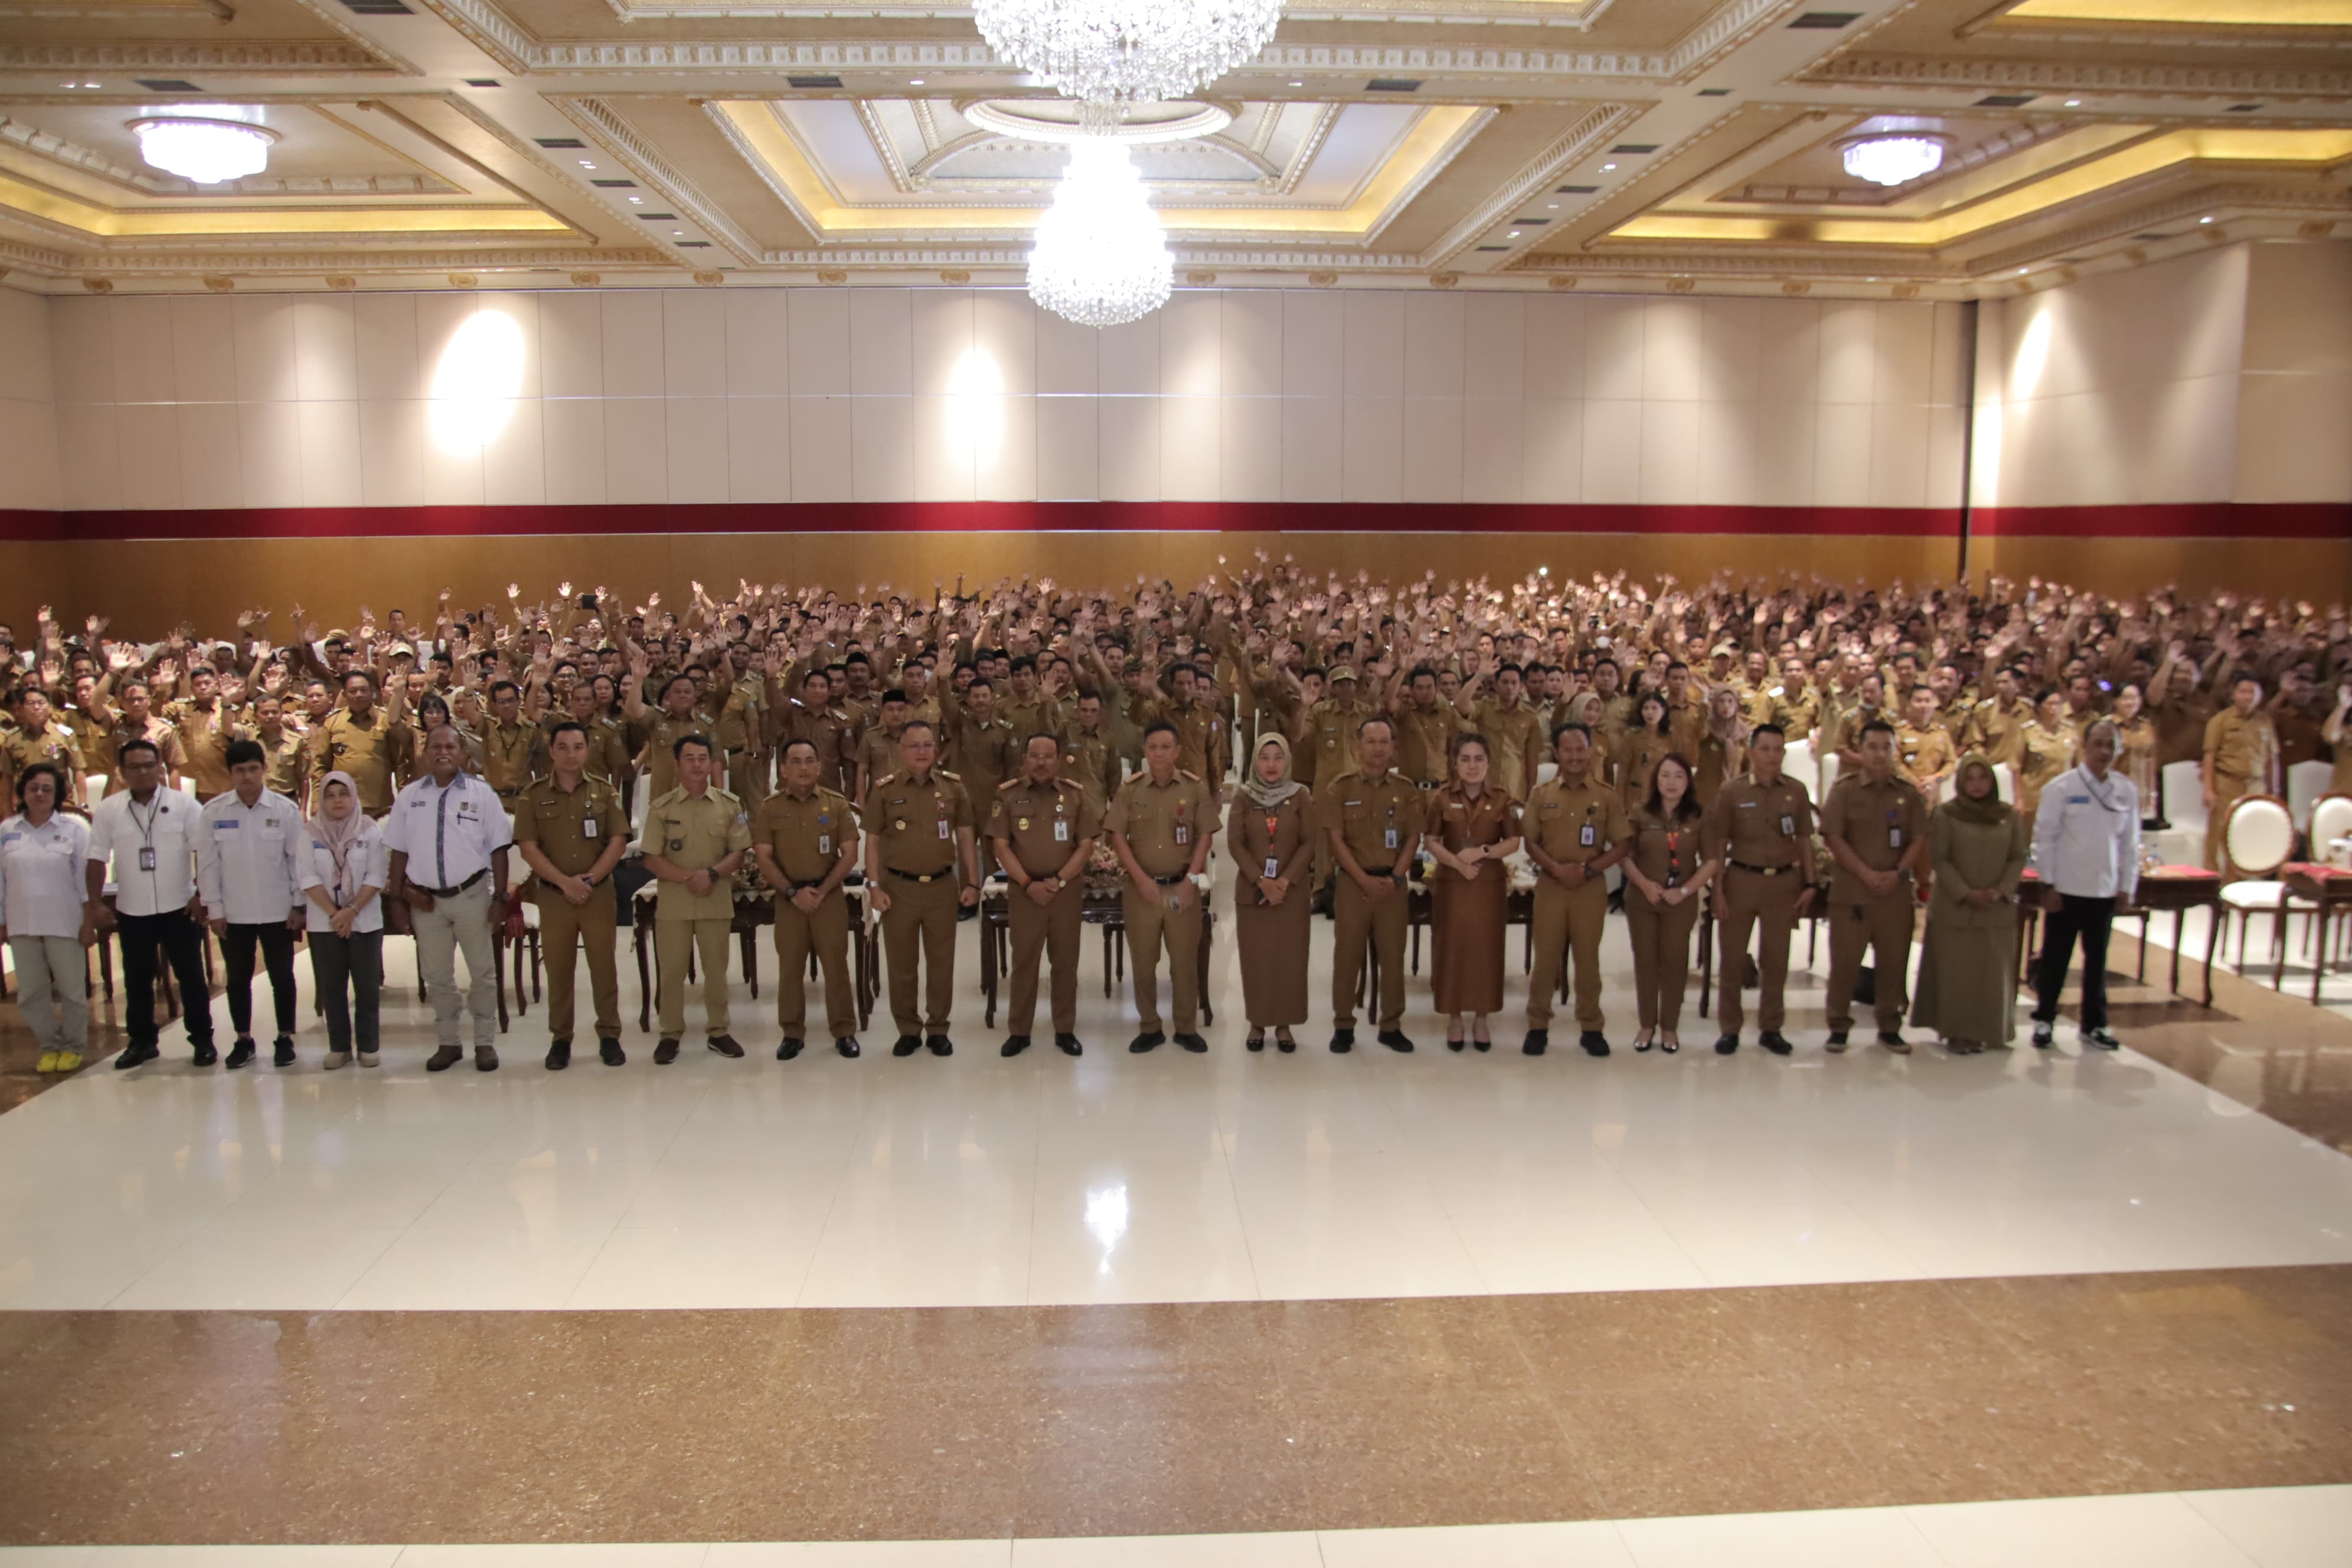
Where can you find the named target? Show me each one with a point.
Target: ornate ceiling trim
(489, 29)
(1537, 175)
(2201, 81)
(620, 138)
(242, 59)
(2185, 207)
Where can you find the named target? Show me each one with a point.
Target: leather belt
(803, 886)
(452, 892)
(1171, 881)
(1390, 872)
(922, 876)
(1766, 870)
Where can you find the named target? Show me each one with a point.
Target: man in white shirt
(449, 834)
(150, 834)
(2086, 852)
(251, 849)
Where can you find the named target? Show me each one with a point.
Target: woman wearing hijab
(1477, 829)
(1271, 830)
(1722, 749)
(344, 883)
(1967, 966)
(1664, 880)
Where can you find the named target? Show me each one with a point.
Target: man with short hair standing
(1045, 826)
(1876, 827)
(2086, 852)
(1159, 827)
(448, 837)
(250, 849)
(572, 832)
(805, 838)
(150, 833)
(695, 837)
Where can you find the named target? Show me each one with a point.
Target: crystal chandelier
(1893, 160)
(203, 150)
(1100, 258)
(1114, 50)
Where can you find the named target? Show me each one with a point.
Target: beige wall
(28, 430)
(2294, 395)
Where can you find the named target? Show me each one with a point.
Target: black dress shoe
(725, 1044)
(1069, 1046)
(205, 1055)
(1395, 1039)
(1149, 1040)
(1343, 1040)
(789, 1047)
(908, 1046)
(846, 1045)
(444, 1058)
(610, 1053)
(1453, 1044)
(1595, 1044)
(1477, 1045)
(1538, 1042)
(1192, 1043)
(1836, 1042)
(1771, 1041)
(941, 1045)
(1256, 1042)
(1015, 1046)
(1726, 1044)
(281, 1052)
(1284, 1045)
(664, 1053)
(240, 1053)
(559, 1054)
(135, 1056)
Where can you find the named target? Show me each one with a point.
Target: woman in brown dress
(1271, 832)
(1664, 880)
(1474, 829)
(1722, 749)
(1649, 738)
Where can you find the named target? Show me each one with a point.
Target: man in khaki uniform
(812, 717)
(1201, 742)
(1159, 827)
(286, 752)
(206, 727)
(1425, 729)
(1328, 729)
(608, 746)
(572, 833)
(363, 741)
(1924, 752)
(1876, 827)
(738, 722)
(1796, 707)
(40, 738)
(919, 835)
(1514, 732)
(510, 746)
(1999, 722)
(654, 734)
(1761, 829)
(137, 722)
(877, 747)
(695, 837)
(1574, 829)
(983, 749)
(2241, 758)
(805, 837)
(1373, 817)
(1091, 752)
(1045, 826)
(1029, 711)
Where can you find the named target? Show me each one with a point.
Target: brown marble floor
(519, 1426)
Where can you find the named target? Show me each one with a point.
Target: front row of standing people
(247, 864)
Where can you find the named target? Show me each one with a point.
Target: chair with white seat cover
(2257, 839)
(1797, 761)
(2331, 820)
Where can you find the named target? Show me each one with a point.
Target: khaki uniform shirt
(608, 746)
(1616, 717)
(1045, 822)
(1164, 823)
(1379, 820)
(166, 740)
(1997, 730)
(1460, 823)
(204, 736)
(1575, 822)
(1920, 754)
(1201, 744)
(2241, 749)
(1329, 747)
(918, 822)
(284, 757)
(696, 833)
(878, 753)
(826, 729)
(984, 754)
(1761, 824)
(1041, 715)
(654, 735)
(369, 752)
(1797, 712)
(1515, 733)
(1093, 761)
(739, 719)
(571, 828)
(510, 756)
(1879, 822)
(806, 834)
(1422, 735)
(22, 749)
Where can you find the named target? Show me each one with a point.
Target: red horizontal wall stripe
(2216, 520)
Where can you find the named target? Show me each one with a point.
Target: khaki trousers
(1047, 931)
(673, 937)
(746, 778)
(459, 921)
(1149, 927)
(1883, 926)
(924, 912)
(2226, 791)
(1748, 900)
(824, 932)
(1358, 923)
(1568, 922)
(563, 926)
(1661, 948)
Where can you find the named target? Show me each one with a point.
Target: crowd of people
(1577, 745)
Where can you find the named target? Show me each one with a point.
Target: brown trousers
(826, 933)
(563, 926)
(2227, 790)
(1882, 926)
(1567, 920)
(1749, 901)
(747, 777)
(922, 913)
(707, 939)
(1359, 924)
(1047, 931)
(1662, 950)
(1149, 927)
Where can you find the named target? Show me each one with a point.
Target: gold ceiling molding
(2189, 13)
(2184, 80)
(600, 119)
(113, 224)
(314, 58)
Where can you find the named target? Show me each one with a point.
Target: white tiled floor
(2293, 1527)
(1117, 1178)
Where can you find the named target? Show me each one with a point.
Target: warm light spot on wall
(976, 408)
(475, 385)
(2032, 357)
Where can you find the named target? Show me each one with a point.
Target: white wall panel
(1311, 337)
(329, 437)
(1371, 445)
(1312, 438)
(81, 343)
(383, 329)
(521, 311)
(1004, 336)
(26, 349)
(1787, 350)
(1005, 467)
(636, 459)
(1551, 451)
(392, 452)
(1127, 359)
(1729, 350)
(1612, 451)
(1899, 454)
(1067, 447)
(943, 440)
(1127, 447)
(1436, 341)
(758, 364)
(148, 436)
(1492, 461)
(263, 326)
(1191, 448)
(817, 342)
(1251, 322)
(1614, 348)
(881, 348)
(1842, 457)
(1433, 446)
(1192, 348)
(514, 461)
(694, 342)
(573, 432)
(211, 474)
(633, 344)
(760, 448)
(142, 340)
(939, 340)
(1070, 357)
(1670, 451)
(570, 346)
(88, 457)
(1555, 354)
(204, 349)
(1250, 452)
(882, 448)
(697, 450)
(453, 456)
(1672, 334)
(326, 364)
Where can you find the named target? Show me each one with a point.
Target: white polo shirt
(154, 848)
(42, 891)
(2086, 834)
(250, 858)
(368, 862)
(448, 834)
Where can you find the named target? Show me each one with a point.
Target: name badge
(1061, 832)
(1389, 839)
(1586, 836)
(1183, 834)
(591, 828)
(1273, 867)
(146, 859)
(824, 843)
(1895, 839)
(943, 827)
(272, 828)
(1787, 826)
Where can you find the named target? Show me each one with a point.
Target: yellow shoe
(69, 1061)
(48, 1062)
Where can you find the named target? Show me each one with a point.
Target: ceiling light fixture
(1606, 167)
(914, 81)
(1100, 258)
(1893, 160)
(1111, 51)
(206, 150)
(2074, 103)
(2204, 220)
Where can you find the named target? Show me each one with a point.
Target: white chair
(2257, 839)
(2004, 785)
(2331, 819)
(2183, 787)
(1547, 772)
(1797, 761)
(2305, 782)
(93, 788)
(1829, 776)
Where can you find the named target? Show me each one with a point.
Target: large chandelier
(1893, 160)
(1100, 258)
(203, 150)
(1115, 50)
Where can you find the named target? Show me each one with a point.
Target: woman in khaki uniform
(2135, 746)
(1722, 747)
(1271, 829)
(1472, 830)
(1967, 964)
(2044, 748)
(1664, 878)
(1644, 745)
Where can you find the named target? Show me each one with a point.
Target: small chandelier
(205, 149)
(1893, 160)
(1100, 258)
(1113, 51)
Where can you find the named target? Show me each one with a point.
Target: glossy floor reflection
(977, 1181)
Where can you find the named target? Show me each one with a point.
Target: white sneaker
(368, 1059)
(338, 1059)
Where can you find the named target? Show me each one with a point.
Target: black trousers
(182, 943)
(276, 944)
(2090, 920)
(349, 971)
